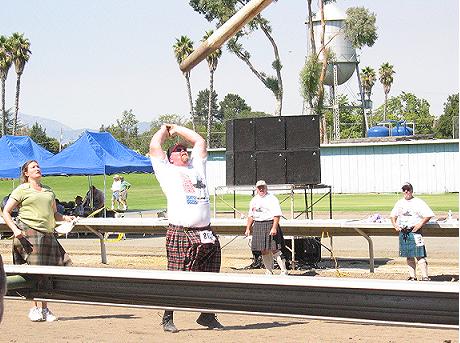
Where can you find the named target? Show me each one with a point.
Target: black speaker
(303, 166)
(307, 250)
(270, 133)
(240, 168)
(271, 166)
(240, 135)
(302, 132)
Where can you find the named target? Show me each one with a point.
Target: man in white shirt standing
(191, 245)
(263, 218)
(408, 217)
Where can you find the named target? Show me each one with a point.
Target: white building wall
(431, 166)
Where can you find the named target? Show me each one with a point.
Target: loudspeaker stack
(279, 150)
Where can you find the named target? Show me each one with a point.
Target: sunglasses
(180, 149)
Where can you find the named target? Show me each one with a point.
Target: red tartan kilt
(186, 252)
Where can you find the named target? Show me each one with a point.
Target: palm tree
(368, 79)
(6, 61)
(386, 79)
(21, 55)
(182, 49)
(212, 60)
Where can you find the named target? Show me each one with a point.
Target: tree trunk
(279, 96)
(310, 28)
(208, 126)
(16, 109)
(4, 118)
(385, 107)
(323, 131)
(190, 100)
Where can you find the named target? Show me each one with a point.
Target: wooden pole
(223, 33)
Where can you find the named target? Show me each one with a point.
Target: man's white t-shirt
(264, 208)
(411, 212)
(186, 191)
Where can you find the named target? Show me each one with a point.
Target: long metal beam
(380, 301)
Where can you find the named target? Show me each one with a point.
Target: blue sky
(91, 60)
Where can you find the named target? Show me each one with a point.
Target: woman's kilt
(38, 248)
(185, 251)
(261, 238)
(407, 246)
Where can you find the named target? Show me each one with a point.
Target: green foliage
(309, 79)
(368, 79)
(360, 27)
(39, 136)
(386, 72)
(446, 125)
(202, 105)
(350, 119)
(233, 106)
(125, 130)
(408, 107)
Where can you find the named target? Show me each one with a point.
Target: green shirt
(35, 208)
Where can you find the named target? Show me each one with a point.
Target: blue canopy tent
(96, 153)
(15, 151)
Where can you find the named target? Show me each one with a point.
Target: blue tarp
(15, 151)
(96, 153)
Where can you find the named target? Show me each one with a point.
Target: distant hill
(53, 127)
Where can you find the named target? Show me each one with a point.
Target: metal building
(430, 165)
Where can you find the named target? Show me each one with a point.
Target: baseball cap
(176, 147)
(261, 183)
(407, 187)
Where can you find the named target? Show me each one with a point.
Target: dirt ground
(85, 323)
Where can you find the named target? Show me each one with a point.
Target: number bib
(206, 236)
(418, 238)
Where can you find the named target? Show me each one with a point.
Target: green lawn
(145, 194)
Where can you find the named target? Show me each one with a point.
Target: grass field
(146, 194)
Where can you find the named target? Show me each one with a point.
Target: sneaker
(411, 279)
(36, 315)
(168, 326)
(426, 278)
(210, 321)
(48, 315)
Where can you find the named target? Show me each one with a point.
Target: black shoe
(210, 321)
(426, 279)
(411, 279)
(168, 326)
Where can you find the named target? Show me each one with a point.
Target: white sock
(281, 261)
(423, 266)
(411, 267)
(268, 262)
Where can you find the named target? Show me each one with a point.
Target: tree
(125, 130)
(21, 54)
(407, 107)
(309, 79)
(368, 79)
(386, 79)
(233, 106)
(212, 59)
(39, 136)
(182, 49)
(202, 109)
(221, 11)
(6, 60)
(350, 119)
(360, 27)
(447, 124)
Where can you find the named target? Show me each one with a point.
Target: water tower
(345, 61)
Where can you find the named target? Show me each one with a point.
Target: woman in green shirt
(34, 240)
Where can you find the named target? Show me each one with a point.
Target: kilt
(185, 251)
(261, 238)
(38, 248)
(407, 246)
